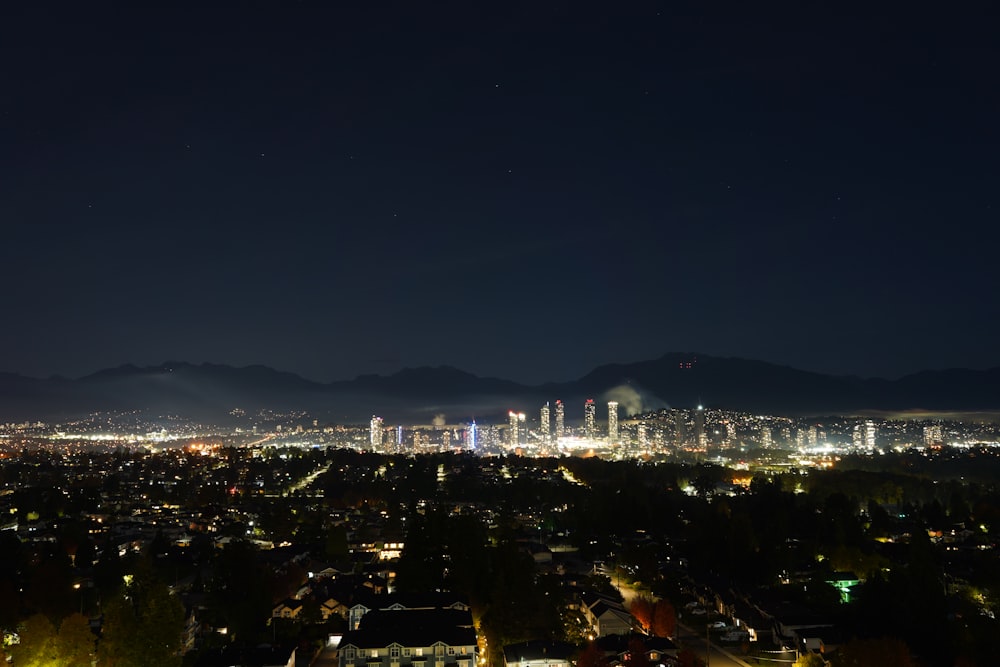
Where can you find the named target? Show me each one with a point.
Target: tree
(687, 658)
(37, 646)
(636, 655)
(642, 609)
(591, 656)
(810, 660)
(335, 547)
(312, 612)
(142, 625)
(49, 588)
(245, 608)
(885, 652)
(664, 619)
(75, 642)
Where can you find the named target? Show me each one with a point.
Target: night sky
(519, 190)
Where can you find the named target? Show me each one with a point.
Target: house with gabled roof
(411, 638)
(605, 615)
(403, 601)
(287, 608)
(657, 650)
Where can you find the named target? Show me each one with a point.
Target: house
(823, 639)
(749, 619)
(657, 650)
(411, 638)
(605, 615)
(287, 608)
(365, 603)
(333, 607)
(539, 653)
(539, 552)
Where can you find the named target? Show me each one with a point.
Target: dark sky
(523, 190)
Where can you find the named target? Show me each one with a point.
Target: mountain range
(675, 380)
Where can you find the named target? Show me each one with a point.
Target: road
(686, 637)
(326, 658)
(696, 642)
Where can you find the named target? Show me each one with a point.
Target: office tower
(470, 436)
(590, 419)
(766, 440)
(522, 429)
(376, 433)
(545, 425)
(512, 428)
(813, 436)
(560, 419)
(613, 421)
(699, 427)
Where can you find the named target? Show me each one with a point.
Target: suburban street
(685, 636)
(696, 642)
(326, 658)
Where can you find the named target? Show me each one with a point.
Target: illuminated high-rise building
(731, 437)
(933, 435)
(470, 436)
(766, 440)
(512, 429)
(376, 433)
(522, 429)
(701, 439)
(545, 424)
(613, 421)
(864, 435)
(560, 419)
(590, 419)
(870, 433)
(680, 422)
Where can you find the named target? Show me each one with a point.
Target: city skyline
(522, 192)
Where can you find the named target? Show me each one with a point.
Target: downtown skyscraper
(545, 424)
(612, 421)
(560, 419)
(590, 418)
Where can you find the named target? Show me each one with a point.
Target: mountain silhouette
(675, 379)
